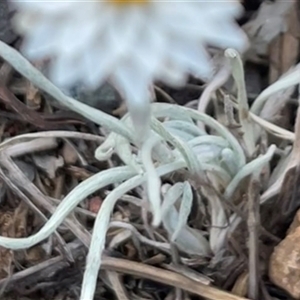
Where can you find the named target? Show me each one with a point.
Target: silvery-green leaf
(184, 136)
(281, 166)
(210, 140)
(172, 115)
(171, 196)
(228, 159)
(187, 154)
(188, 240)
(185, 126)
(162, 153)
(185, 209)
(207, 153)
(153, 180)
(218, 237)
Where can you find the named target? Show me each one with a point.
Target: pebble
(284, 265)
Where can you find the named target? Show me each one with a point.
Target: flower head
(129, 43)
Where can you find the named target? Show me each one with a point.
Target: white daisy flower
(129, 43)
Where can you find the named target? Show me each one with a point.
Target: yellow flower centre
(127, 2)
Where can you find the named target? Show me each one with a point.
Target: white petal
(193, 57)
(122, 30)
(65, 71)
(36, 46)
(172, 74)
(133, 85)
(134, 45)
(150, 49)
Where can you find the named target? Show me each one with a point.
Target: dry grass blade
(294, 161)
(253, 228)
(289, 194)
(167, 277)
(219, 79)
(291, 79)
(268, 126)
(273, 129)
(118, 287)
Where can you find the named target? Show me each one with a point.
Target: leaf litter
(221, 219)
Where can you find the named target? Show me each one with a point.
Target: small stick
(253, 228)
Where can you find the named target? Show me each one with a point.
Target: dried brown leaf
(20, 220)
(69, 154)
(284, 48)
(33, 97)
(6, 255)
(48, 163)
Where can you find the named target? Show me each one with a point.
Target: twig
(118, 287)
(253, 228)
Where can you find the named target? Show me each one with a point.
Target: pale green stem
(182, 135)
(243, 107)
